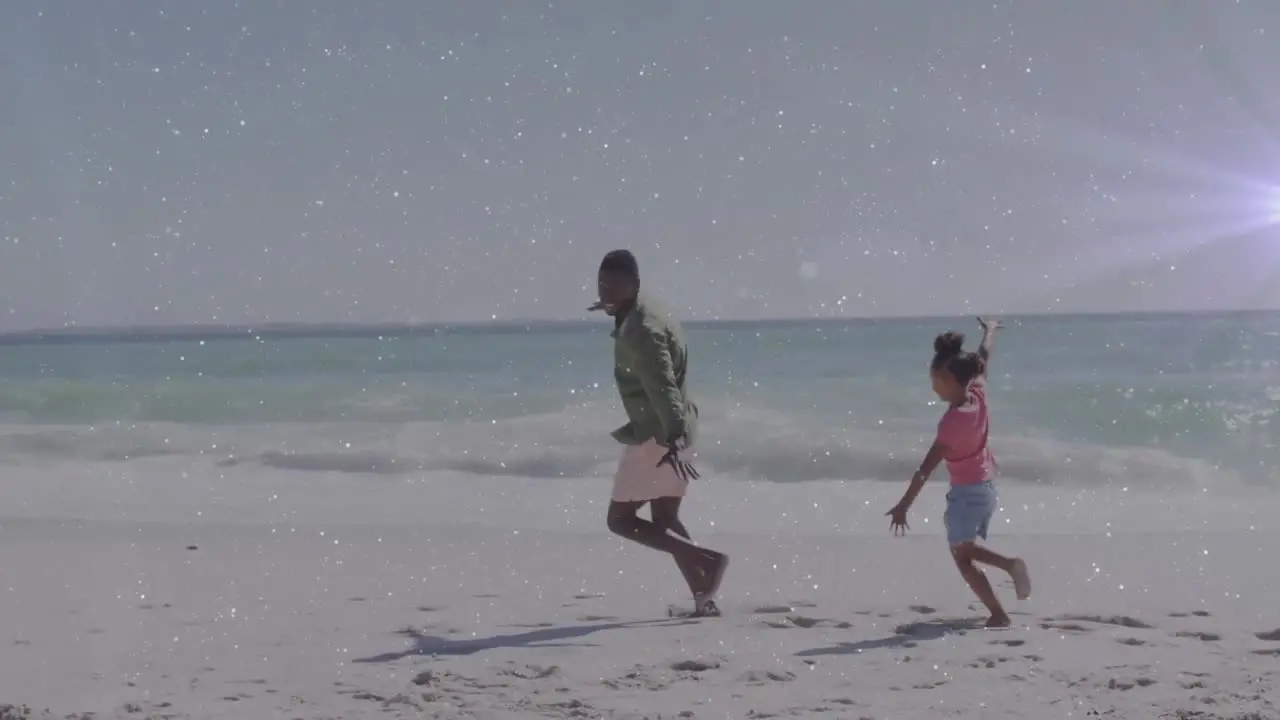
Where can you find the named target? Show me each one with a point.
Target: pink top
(963, 430)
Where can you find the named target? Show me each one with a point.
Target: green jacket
(650, 361)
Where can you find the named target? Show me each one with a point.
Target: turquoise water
(1141, 400)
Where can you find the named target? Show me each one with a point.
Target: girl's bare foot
(1021, 578)
(998, 621)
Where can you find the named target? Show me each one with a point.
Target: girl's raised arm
(989, 327)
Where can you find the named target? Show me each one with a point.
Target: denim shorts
(969, 511)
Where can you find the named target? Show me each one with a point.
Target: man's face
(614, 291)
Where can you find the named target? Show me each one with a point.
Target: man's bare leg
(625, 522)
(706, 583)
(665, 513)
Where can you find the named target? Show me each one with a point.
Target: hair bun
(948, 343)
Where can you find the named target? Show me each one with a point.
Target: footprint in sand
(773, 610)
(1132, 642)
(532, 672)
(695, 665)
(21, 712)
(1117, 620)
(1269, 636)
(638, 678)
(569, 708)
(589, 596)
(1009, 643)
(1118, 684)
(763, 677)
(1065, 627)
(401, 699)
(1192, 685)
(929, 685)
(804, 622)
(597, 618)
(922, 609)
(1201, 636)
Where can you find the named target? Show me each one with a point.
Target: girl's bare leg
(987, 556)
(978, 582)
(1016, 568)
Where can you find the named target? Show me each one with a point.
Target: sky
(433, 161)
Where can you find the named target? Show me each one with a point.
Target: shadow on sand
(903, 636)
(424, 644)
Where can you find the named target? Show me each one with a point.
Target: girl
(959, 379)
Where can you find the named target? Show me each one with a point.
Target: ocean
(1162, 402)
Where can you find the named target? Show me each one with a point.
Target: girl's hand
(898, 520)
(990, 324)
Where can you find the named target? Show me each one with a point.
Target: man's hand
(898, 519)
(684, 469)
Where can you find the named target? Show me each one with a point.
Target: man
(650, 363)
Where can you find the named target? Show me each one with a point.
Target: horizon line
(286, 328)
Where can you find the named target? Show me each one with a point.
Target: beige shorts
(639, 479)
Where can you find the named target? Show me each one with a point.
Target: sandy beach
(323, 327)
(314, 595)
